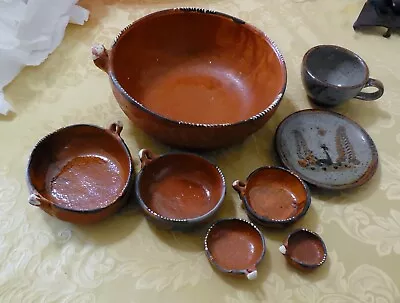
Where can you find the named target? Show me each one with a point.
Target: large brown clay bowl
(179, 191)
(274, 196)
(80, 173)
(194, 78)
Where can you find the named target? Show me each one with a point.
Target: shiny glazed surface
(180, 186)
(80, 168)
(198, 67)
(235, 245)
(275, 194)
(125, 259)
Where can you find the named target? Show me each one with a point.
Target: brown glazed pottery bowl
(179, 191)
(235, 246)
(274, 196)
(194, 78)
(304, 249)
(80, 173)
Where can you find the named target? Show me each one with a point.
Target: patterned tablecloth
(125, 259)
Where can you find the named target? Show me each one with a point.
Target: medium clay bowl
(274, 196)
(235, 246)
(194, 78)
(80, 173)
(304, 249)
(179, 191)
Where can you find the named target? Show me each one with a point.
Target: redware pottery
(194, 78)
(332, 75)
(80, 173)
(304, 249)
(179, 191)
(274, 196)
(326, 149)
(235, 246)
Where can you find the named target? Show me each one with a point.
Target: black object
(383, 13)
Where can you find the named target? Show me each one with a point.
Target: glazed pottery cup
(81, 173)
(274, 196)
(332, 75)
(194, 78)
(235, 246)
(304, 249)
(179, 191)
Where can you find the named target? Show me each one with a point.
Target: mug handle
(371, 96)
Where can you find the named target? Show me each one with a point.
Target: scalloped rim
(124, 191)
(211, 258)
(257, 116)
(187, 221)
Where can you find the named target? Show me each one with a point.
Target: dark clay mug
(332, 75)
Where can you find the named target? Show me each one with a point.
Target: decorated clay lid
(326, 149)
(304, 249)
(235, 246)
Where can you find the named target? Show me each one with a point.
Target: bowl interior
(336, 66)
(80, 168)
(178, 63)
(181, 186)
(275, 194)
(306, 248)
(235, 245)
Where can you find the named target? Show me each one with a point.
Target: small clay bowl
(274, 196)
(235, 246)
(167, 67)
(80, 173)
(179, 191)
(304, 249)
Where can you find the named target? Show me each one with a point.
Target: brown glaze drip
(235, 245)
(85, 182)
(276, 194)
(181, 186)
(306, 248)
(198, 68)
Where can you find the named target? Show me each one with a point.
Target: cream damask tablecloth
(127, 260)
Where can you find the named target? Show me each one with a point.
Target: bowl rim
(125, 189)
(336, 48)
(187, 221)
(267, 220)
(210, 256)
(178, 10)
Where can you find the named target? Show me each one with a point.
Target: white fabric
(29, 31)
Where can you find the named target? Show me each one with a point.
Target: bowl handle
(145, 157)
(251, 274)
(240, 188)
(100, 57)
(38, 200)
(116, 128)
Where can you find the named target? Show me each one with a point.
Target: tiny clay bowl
(80, 173)
(194, 78)
(304, 249)
(274, 196)
(235, 246)
(179, 191)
